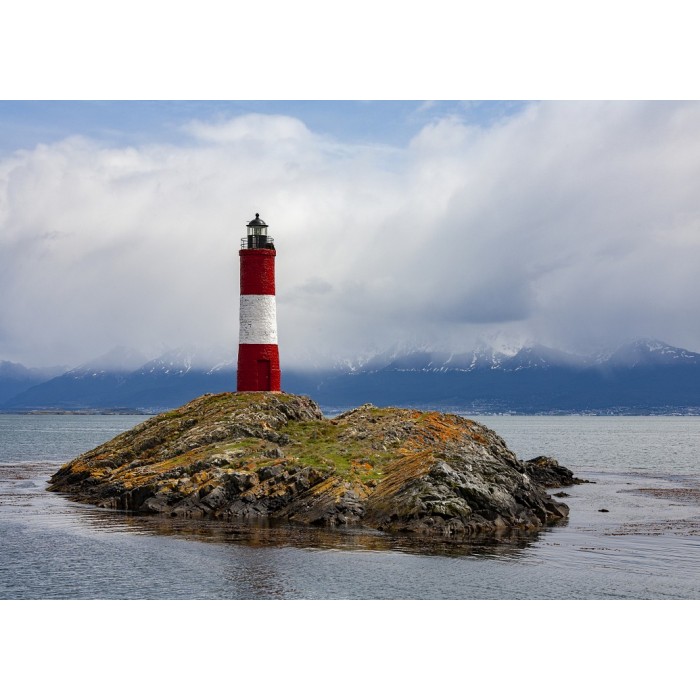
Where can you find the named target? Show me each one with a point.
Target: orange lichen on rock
(411, 466)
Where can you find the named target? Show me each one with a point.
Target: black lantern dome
(257, 235)
(257, 222)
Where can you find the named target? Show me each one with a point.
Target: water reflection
(22, 485)
(264, 532)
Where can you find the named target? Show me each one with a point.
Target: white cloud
(571, 223)
(254, 128)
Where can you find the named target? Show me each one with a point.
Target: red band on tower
(258, 368)
(257, 271)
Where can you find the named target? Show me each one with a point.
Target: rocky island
(274, 455)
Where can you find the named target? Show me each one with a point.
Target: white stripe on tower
(258, 319)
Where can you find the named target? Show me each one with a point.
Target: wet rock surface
(547, 472)
(264, 455)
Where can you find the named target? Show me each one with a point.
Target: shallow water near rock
(647, 545)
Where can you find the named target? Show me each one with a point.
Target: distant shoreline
(81, 412)
(689, 412)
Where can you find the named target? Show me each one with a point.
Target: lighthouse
(258, 354)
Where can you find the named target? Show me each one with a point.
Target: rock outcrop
(547, 472)
(270, 455)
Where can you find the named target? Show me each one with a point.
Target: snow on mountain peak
(648, 351)
(118, 359)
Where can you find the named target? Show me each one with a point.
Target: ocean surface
(633, 532)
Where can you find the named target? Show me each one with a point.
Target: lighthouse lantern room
(258, 353)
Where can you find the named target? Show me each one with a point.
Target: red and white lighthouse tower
(258, 354)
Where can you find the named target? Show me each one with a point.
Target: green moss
(316, 444)
(246, 444)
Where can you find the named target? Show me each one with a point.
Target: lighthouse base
(258, 368)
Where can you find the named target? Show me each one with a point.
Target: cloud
(576, 224)
(256, 128)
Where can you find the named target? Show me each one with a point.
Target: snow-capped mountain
(648, 353)
(483, 358)
(124, 378)
(642, 376)
(119, 360)
(172, 362)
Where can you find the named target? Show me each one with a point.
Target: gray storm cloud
(575, 224)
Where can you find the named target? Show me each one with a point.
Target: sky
(441, 225)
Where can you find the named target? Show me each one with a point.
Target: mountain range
(642, 377)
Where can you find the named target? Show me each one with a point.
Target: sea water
(633, 531)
